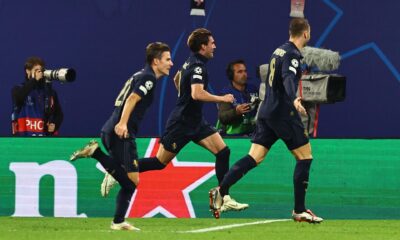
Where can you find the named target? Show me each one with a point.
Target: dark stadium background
(104, 41)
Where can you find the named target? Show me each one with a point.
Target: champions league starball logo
(148, 85)
(198, 70)
(295, 63)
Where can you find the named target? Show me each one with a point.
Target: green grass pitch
(171, 229)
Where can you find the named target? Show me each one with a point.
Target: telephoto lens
(63, 75)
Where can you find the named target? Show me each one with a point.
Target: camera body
(62, 75)
(254, 101)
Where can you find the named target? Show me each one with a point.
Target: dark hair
(197, 38)
(155, 50)
(229, 68)
(31, 62)
(297, 26)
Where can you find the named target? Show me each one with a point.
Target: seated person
(36, 109)
(238, 118)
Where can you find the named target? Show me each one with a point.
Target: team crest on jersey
(149, 85)
(198, 70)
(174, 146)
(295, 63)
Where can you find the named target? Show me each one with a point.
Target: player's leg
(92, 150)
(236, 172)
(162, 158)
(300, 182)
(172, 141)
(301, 176)
(85, 152)
(293, 134)
(242, 166)
(160, 161)
(262, 141)
(125, 153)
(216, 145)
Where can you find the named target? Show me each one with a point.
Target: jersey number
(271, 71)
(177, 80)
(122, 95)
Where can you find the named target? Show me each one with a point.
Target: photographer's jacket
(35, 104)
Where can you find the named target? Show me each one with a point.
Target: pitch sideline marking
(202, 230)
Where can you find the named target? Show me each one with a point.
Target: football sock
(300, 182)
(127, 186)
(106, 161)
(147, 164)
(222, 163)
(112, 168)
(237, 171)
(123, 201)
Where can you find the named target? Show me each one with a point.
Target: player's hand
(51, 127)
(228, 98)
(299, 107)
(243, 108)
(121, 130)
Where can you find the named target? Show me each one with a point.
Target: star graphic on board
(167, 191)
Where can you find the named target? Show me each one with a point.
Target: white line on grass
(232, 226)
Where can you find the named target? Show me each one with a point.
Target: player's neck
(297, 42)
(156, 72)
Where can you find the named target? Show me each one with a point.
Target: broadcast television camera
(315, 87)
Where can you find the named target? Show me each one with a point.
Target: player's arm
(199, 94)
(121, 129)
(177, 80)
(290, 69)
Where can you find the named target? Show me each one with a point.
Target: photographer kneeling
(238, 118)
(36, 109)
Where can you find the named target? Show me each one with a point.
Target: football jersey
(142, 83)
(187, 109)
(282, 82)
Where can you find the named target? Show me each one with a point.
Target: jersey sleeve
(144, 85)
(198, 75)
(291, 70)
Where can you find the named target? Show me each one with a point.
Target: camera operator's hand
(51, 127)
(121, 130)
(243, 108)
(299, 107)
(228, 98)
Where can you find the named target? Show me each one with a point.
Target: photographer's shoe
(307, 216)
(85, 152)
(108, 183)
